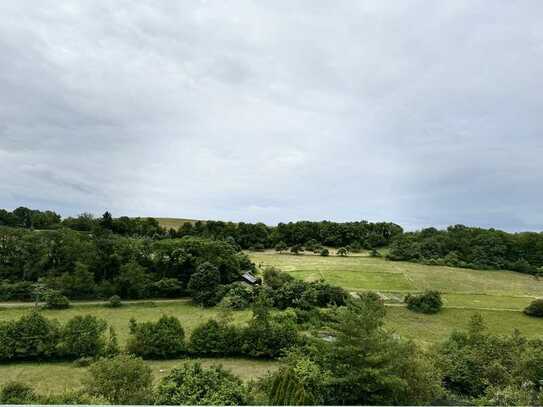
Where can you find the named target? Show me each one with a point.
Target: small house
(249, 278)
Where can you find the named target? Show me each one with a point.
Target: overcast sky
(417, 112)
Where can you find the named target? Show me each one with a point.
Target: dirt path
(90, 303)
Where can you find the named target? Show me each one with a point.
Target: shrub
(83, 336)
(84, 361)
(114, 302)
(296, 249)
(192, 384)
(342, 251)
(535, 309)
(324, 252)
(281, 247)
(238, 296)
(17, 291)
(213, 338)
(16, 393)
(167, 287)
(427, 303)
(123, 379)
(55, 300)
(112, 345)
(275, 278)
(32, 337)
(268, 336)
(163, 339)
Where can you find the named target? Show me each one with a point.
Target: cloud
(418, 112)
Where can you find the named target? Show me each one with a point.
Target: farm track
(91, 303)
(187, 300)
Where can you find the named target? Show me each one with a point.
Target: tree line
(84, 265)
(461, 246)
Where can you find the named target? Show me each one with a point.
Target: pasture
(499, 296)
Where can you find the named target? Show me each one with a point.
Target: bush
(342, 251)
(32, 337)
(281, 247)
(167, 288)
(123, 379)
(535, 309)
(324, 252)
(192, 384)
(215, 339)
(163, 339)
(238, 296)
(83, 362)
(428, 303)
(18, 291)
(296, 249)
(16, 393)
(55, 300)
(114, 302)
(268, 336)
(83, 336)
(275, 278)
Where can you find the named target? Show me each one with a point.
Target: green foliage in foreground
(123, 379)
(191, 384)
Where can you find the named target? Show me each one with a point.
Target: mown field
(499, 296)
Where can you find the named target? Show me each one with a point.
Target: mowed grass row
(499, 296)
(357, 273)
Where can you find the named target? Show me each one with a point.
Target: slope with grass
(500, 296)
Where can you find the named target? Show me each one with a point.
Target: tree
(157, 340)
(194, 385)
(123, 379)
(214, 338)
(107, 221)
(204, 283)
(281, 247)
(133, 282)
(83, 336)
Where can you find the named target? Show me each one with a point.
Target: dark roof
(247, 276)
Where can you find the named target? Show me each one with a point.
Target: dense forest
(461, 246)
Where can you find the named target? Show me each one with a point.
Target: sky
(422, 113)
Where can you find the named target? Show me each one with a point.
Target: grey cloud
(417, 112)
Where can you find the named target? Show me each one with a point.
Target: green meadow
(499, 296)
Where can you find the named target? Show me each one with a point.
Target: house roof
(247, 276)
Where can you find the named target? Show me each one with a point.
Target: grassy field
(57, 377)
(500, 296)
(173, 223)
(189, 315)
